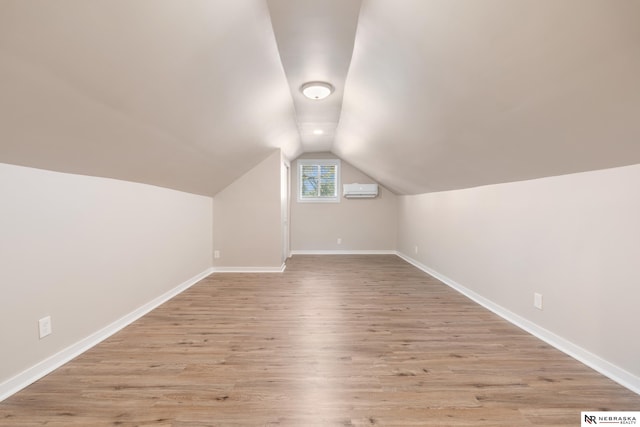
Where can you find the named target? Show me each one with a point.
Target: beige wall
(247, 218)
(87, 251)
(574, 238)
(363, 225)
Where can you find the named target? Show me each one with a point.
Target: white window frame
(318, 162)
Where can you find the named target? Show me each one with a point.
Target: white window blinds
(318, 180)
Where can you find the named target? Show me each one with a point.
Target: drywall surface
(153, 92)
(575, 239)
(361, 224)
(247, 218)
(87, 251)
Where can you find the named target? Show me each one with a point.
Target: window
(319, 180)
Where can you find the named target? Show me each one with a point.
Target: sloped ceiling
(430, 94)
(447, 94)
(182, 94)
(315, 41)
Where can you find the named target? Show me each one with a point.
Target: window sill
(336, 200)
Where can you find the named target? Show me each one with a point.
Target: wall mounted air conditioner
(360, 191)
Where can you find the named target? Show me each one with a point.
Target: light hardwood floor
(333, 341)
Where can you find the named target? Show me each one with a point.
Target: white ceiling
(430, 94)
(446, 94)
(181, 94)
(315, 40)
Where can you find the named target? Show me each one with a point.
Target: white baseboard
(594, 361)
(31, 375)
(345, 252)
(250, 269)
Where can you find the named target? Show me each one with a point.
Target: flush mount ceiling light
(318, 131)
(316, 90)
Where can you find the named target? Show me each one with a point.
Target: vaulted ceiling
(429, 95)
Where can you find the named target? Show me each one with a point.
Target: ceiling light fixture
(316, 90)
(318, 132)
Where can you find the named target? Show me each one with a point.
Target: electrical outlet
(216, 254)
(537, 300)
(339, 240)
(415, 249)
(44, 325)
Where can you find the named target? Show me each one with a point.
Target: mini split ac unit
(360, 191)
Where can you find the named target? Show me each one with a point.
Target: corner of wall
(247, 219)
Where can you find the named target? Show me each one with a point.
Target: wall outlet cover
(44, 326)
(537, 300)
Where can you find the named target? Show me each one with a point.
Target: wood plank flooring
(333, 341)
